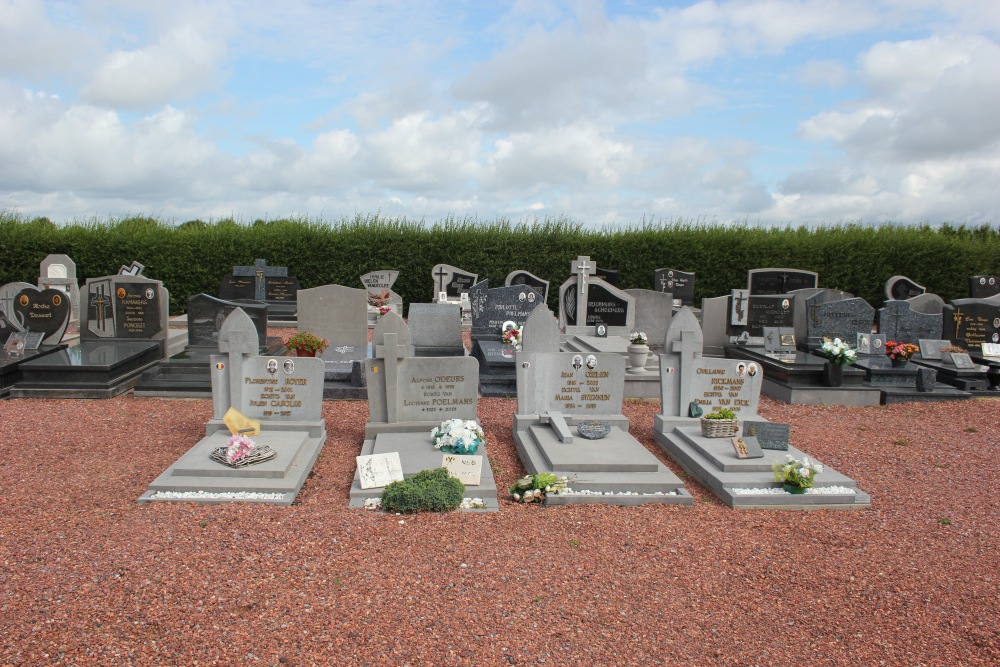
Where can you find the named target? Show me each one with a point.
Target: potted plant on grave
(947, 352)
(899, 352)
(796, 476)
(638, 352)
(838, 354)
(306, 344)
(720, 423)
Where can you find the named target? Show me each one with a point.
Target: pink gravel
(90, 577)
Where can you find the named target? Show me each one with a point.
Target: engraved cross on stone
(101, 301)
(390, 351)
(440, 275)
(260, 271)
(583, 267)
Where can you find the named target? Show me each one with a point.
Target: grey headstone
(59, 272)
(601, 303)
(492, 307)
(653, 312)
(378, 287)
(437, 327)
(780, 281)
(928, 303)
(682, 345)
(133, 269)
(837, 319)
(393, 323)
(899, 288)
(724, 383)
(983, 287)
(715, 323)
(282, 388)
(437, 388)
(901, 323)
(334, 312)
(871, 344)
(238, 340)
(926, 379)
(452, 280)
(541, 332)
(570, 383)
(521, 277)
(205, 315)
(801, 313)
(678, 283)
(931, 348)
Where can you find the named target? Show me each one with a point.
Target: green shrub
(427, 491)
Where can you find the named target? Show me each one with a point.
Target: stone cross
(238, 339)
(584, 268)
(259, 271)
(688, 347)
(390, 351)
(101, 300)
(440, 275)
(135, 269)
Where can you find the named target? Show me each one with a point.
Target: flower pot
(305, 353)
(899, 363)
(793, 488)
(637, 355)
(833, 374)
(719, 428)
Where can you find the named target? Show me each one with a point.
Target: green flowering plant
(796, 473)
(721, 413)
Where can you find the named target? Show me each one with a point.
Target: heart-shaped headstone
(44, 311)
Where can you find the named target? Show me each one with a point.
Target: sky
(771, 112)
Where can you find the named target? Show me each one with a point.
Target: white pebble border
(467, 504)
(224, 495)
(586, 492)
(821, 491)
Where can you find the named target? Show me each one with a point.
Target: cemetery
(614, 421)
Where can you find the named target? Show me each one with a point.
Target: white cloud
(828, 73)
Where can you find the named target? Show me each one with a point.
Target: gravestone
(541, 332)
(340, 315)
(558, 391)
(452, 282)
(927, 303)
(407, 397)
(983, 287)
(972, 322)
(899, 288)
(678, 283)
(843, 319)
(586, 302)
(123, 332)
(260, 282)
(18, 344)
(653, 312)
(610, 276)
(284, 393)
(872, 344)
(205, 315)
(739, 480)
(436, 329)
(133, 269)
(801, 308)
(45, 311)
(751, 313)
(521, 277)
(491, 308)
(779, 281)
(901, 323)
(378, 285)
(59, 272)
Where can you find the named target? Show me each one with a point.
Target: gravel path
(90, 577)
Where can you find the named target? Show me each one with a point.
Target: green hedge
(194, 256)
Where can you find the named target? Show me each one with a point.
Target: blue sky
(773, 111)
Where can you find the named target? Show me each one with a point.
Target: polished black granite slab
(92, 369)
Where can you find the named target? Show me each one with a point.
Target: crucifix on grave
(390, 352)
(101, 301)
(583, 268)
(261, 272)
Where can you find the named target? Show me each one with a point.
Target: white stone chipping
(587, 492)
(815, 491)
(206, 495)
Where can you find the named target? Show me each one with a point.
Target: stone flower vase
(637, 355)
(833, 374)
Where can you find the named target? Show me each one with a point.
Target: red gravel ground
(90, 577)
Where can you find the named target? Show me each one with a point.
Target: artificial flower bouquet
(511, 334)
(458, 436)
(533, 488)
(899, 351)
(795, 473)
(638, 338)
(838, 352)
(239, 447)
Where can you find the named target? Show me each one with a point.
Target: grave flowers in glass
(511, 334)
(796, 475)
(899, 351)
(458, 436)
(838, 352)
(638, 338)
(533, 488)
(306, 344)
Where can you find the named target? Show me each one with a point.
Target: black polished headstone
(521, 277)
(779, 281)
(766, 311)
(492, 307)
(983, 287)
(205, 315)
(610, 276)
(679, 283)
(972, 322)
(281, 288)
(237, 287)
(44, 311)
(605, 308)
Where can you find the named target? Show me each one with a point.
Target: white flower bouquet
(838, 352)
(800, 474)
(638, 337)
(510, 333)
(458, 436)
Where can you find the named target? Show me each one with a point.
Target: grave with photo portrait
(498, 317)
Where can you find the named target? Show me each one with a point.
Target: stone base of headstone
(195, 477)
(966, 379)
(615, 470)
(91, 369)
(644, 385)
(344, 378)
(714, 464)
(497, 368)
(187, 374)
(10, 365)
(898, 384)
(416, 453)
(797, 378)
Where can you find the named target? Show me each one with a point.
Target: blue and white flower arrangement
(458, 436)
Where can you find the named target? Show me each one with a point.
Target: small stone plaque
(466, 469)
(769, 435)
(931, 348)
(378, 470)
(15, 343)
(991, 349)
(747, 448)
(963, 361)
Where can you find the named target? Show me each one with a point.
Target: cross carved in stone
(260, 271)
(101, 301)
(390, 352)
(237, 338)
(441, 274)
